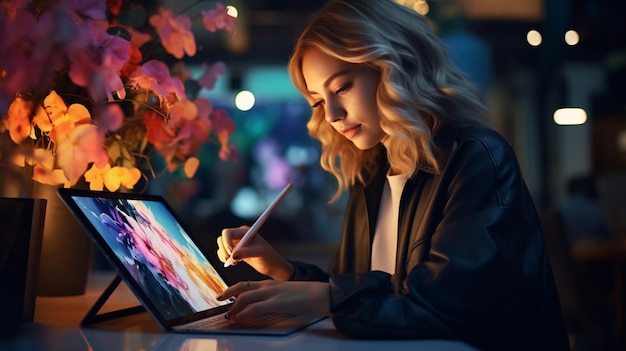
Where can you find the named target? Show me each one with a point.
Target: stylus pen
(259, 222)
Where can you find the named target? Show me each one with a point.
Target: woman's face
(346, 93)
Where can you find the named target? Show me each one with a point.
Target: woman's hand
(257, 253)
(256, 298)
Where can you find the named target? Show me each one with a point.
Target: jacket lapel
(415, 222)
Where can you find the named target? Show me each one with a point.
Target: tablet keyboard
(219, 322)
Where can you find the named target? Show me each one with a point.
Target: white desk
(57, 319)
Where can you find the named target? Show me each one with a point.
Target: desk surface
(57, 319)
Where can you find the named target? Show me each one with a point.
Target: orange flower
(95, 176)
(191, 166)
(112, 177)
(58, 119)
(17, 120)
(118, 176)
(157, 132)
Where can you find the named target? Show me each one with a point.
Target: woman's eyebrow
(331, 78)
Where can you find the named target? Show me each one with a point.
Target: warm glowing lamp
(570, 116)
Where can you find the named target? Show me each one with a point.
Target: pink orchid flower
(210, 75)
(83, 10)
(222, 121)
(43, 168)
(112, 118)
(180, 71)
(223, 127)
(219, 18)
(204, 107)
(180, 111)
(98, 64)
(192, 134)
(155, 75)
(84, 145)
(228, 152)
(84, 14)
(32, 49)
(194, 130)
(105, 82)
(175, 33)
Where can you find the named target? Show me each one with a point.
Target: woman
(440, 238)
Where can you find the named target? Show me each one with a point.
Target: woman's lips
(351, 131)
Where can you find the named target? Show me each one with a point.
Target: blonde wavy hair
(418, 92)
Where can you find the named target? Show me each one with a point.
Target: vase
(65, 250)
(20, 247)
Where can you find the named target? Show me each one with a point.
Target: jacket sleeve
(306, 271)
(475, 277)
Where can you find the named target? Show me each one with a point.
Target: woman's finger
(235, 290)
(227, 241)
(233, 235)
(224, 250)
(221, 252)
(251, 298)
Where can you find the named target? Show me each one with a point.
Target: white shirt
(385, 242)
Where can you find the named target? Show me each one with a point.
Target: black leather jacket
(471, 263)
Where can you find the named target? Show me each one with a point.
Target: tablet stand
(92, 317)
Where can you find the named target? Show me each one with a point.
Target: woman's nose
(334, 112)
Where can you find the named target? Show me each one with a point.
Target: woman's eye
(343, 88)
(317, 104)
